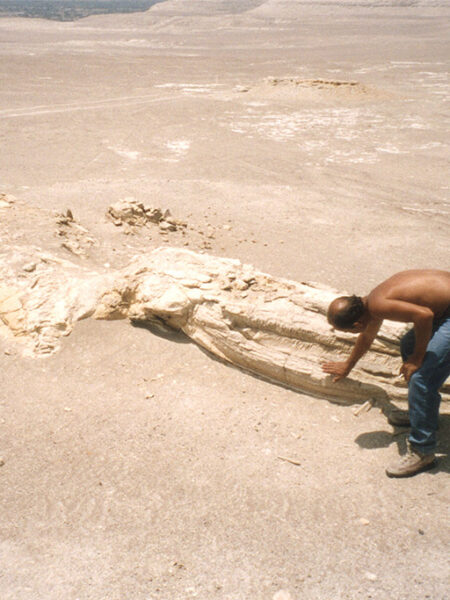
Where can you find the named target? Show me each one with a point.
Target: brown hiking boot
(399, 418)
(411, 463)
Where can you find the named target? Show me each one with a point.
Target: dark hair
(350, 311)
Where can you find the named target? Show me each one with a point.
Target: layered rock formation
(272, 327)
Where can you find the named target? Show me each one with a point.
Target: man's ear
(360, 324)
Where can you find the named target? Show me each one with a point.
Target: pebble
(6, 200)
(167, 226)
(282, 595)
(30, 267)
(370, 576)
(2, 462)
(364, 521)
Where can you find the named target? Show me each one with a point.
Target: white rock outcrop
(272, 327)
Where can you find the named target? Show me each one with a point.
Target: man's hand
(338, 369)
(408, 369)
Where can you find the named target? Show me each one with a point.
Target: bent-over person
(421, 297)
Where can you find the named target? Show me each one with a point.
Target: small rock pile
(133, 213)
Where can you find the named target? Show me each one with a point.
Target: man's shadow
(383, 439)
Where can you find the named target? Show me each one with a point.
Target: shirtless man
(418, 297)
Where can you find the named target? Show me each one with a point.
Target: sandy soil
(308, 141)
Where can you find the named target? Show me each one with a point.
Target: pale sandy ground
(138, 467)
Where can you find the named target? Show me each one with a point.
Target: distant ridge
(207, 7)
(214, 7)
(293, 4)
(70, 10)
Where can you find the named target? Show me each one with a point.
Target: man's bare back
(417, 296)
(428, 288)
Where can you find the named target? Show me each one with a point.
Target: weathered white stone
(278, 330)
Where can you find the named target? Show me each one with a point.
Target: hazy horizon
(71, 10)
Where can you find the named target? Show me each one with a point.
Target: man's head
(348, 313)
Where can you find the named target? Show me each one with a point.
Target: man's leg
(424, 400)
(423, 392)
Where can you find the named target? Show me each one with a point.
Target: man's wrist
(415, 360)
(349, 366)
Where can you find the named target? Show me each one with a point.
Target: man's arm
(422, 318)
(362, 345)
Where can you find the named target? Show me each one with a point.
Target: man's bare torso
(429, 288)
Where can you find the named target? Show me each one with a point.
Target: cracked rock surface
(272, 327)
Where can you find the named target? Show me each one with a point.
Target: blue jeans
(423, 388)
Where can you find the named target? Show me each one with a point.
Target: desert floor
(310, 142)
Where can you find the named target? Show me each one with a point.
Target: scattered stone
(30, 267)
(6, 200)
(11, 309)
(241, 285)
(282, 595)
(65, 218)
(168, 217)
(370, 576)
(365, 407)
(2, 462)
(364, 521)
(167, 226)
(153, 214)
(75, 238)
(297, 463)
